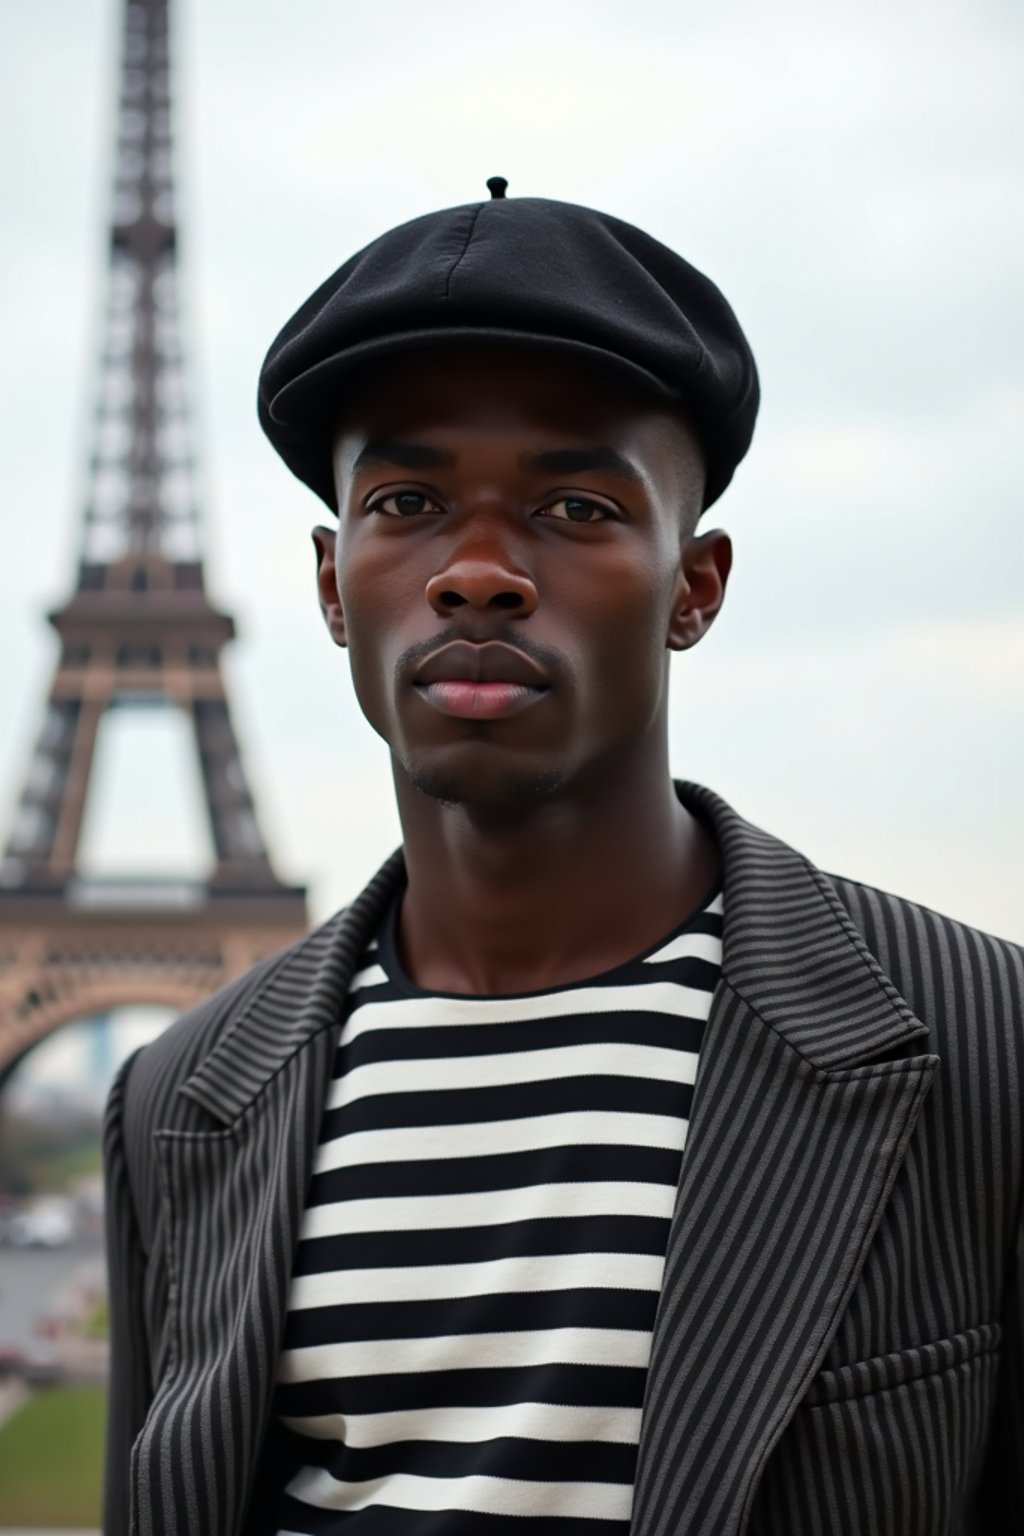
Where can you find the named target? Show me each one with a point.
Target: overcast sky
(849, 173)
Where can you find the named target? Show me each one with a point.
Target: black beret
(519, 270)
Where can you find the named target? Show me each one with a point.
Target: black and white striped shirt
(474, 1288)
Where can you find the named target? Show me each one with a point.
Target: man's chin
(495, 790)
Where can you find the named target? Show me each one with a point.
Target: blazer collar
(303, 996)
(788, 947)
(791, 950)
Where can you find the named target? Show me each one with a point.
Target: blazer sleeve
(129, 1391)
(1000, 1493)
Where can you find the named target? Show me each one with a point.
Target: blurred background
(850, 174)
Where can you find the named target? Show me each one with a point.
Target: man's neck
(569, 888)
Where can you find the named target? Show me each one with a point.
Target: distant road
(30, 1281)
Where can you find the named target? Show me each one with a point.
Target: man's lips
(479, 701)
(480, 682)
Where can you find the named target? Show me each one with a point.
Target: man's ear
(704, 567)
(325, 544)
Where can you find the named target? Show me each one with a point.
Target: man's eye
(406, 504)
(577, 510)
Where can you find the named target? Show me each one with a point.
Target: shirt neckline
(390, 962)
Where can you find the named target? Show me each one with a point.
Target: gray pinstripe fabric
(839, 1345)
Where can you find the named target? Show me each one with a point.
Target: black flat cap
(525, 270)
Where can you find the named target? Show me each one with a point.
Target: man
(605, 1166)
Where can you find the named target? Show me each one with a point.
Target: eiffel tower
(139, 629)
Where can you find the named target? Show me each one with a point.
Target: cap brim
(292, 405)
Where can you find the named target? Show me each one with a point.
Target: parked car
(42, 1366)
(47, 1224)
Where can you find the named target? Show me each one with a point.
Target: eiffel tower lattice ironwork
(139, 629)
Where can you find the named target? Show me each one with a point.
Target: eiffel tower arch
(138, 629)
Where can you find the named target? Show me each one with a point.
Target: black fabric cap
(524, 270)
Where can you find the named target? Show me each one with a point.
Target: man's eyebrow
(386, 450)
(569, 461)
(553, 461)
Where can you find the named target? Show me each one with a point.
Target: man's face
(506, 495)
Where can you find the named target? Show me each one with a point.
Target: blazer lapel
(810, 1081)
(232, 1202)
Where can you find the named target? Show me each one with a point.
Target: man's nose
(480, 573)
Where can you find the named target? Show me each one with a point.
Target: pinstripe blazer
(839, 1343)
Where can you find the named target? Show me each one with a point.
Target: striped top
(480, 1257)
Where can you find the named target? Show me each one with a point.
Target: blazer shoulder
(154, 1072)
(934, 960)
